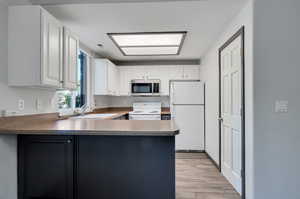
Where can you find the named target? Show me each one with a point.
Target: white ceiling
(204, 21)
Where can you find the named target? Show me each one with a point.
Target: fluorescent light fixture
(149, 43)
(150, 50)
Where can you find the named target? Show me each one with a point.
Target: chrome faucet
(82, 110)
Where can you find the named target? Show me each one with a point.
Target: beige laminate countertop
(50, 125)
(123, 111)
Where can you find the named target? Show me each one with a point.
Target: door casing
(239, 33)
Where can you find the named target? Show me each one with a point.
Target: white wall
(209, 72)
(124, 101)
(8, 100)
(276, 77)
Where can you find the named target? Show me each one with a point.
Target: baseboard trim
(190, 151)
(200, 151)
(213, 161)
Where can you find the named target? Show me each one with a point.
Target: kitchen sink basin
(95, 116)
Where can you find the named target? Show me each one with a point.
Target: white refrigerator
(187, 110)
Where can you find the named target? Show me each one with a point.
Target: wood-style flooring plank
(198, 178)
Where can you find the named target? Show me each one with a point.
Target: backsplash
(127, 101)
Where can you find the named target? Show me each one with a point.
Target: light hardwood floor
(198, 178)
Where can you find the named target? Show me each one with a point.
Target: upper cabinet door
(126, 75)
(71, 47)
(100, 77)
(116, 81)
(110, 78)
(106, 78)
(175, 72)
(52, 51)
(191, 72)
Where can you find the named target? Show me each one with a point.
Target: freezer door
(190, 120)
(189, 92)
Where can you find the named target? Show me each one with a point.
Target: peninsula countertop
(49, 124)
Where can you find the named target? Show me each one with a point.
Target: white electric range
(146, 111)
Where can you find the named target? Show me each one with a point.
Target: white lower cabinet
(36, 53)
(106, 78)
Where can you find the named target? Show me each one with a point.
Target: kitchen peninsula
(90, 158)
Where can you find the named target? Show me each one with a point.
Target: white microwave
(145, 87)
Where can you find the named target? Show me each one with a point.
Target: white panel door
(190, 121)
(231, 61)
(52, 34)
(187, 92)
(71, 47)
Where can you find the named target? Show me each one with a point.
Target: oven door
(141, 88)
(145, 117)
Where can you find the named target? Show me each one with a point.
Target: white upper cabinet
(41, 52)
(52, 51)
(191, 72)
(106, 78)
(71, 48)
(164, 73)
(112, 80)
(35, 50)
(126, 75)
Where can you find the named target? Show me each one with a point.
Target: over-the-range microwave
(149, 87)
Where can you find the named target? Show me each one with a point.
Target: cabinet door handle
(52, 141)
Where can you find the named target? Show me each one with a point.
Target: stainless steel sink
(95, 116)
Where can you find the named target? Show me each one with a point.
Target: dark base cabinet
(45, 167)
(126, 167)
(96, 167)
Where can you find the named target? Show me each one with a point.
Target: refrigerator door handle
(172, 112)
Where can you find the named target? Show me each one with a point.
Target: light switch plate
(21, 104)
(281, 106)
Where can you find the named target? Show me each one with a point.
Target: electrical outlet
(7, 113)
(21, 104)
(39, 104)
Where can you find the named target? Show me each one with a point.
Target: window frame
(87, 57)
(73, 109)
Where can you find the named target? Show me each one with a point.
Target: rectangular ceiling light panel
(155, 43)
(148, 51)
